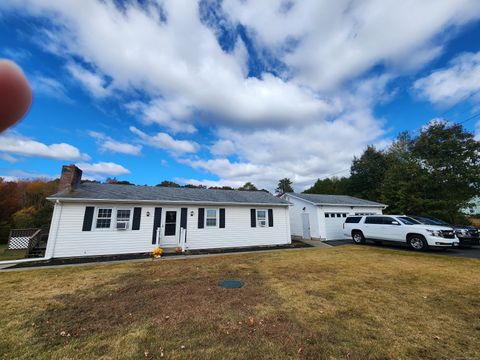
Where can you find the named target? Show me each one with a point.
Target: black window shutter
(201, 218)
(137, 214)
(183, 218)
(88, 218)
(270, 217)
(253, 218)
(157, 217)
(222, 218)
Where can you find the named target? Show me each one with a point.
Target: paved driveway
(473, 252)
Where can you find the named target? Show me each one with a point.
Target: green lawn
(345, 302)
(10, 255)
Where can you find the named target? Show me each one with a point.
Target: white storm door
(170, 231)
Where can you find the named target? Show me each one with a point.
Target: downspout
(52, 237)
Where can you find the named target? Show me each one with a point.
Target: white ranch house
(321, 217)
(92, 219)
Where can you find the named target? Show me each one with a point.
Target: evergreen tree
(284, 186)
(367, 174)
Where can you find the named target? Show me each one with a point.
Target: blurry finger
(15, 94)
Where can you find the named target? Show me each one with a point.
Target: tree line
(23, 204)
(435, 172)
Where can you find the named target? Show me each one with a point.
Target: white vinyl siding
(296, 209)
(71, 241)
(237, 231)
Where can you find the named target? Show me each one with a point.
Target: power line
(456, 104)
(470, 118)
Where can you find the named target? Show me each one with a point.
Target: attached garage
(321, 216)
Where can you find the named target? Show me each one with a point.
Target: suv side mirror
(395, 223)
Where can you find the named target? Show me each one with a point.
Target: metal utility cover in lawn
(230, 284)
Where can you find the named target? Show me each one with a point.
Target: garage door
(334, 225)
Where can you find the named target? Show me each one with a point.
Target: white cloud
(16, 54)
(50, 87)
(452, 84)
(166, 142)
(339, 40)
(232, 183)
(103, 168)
(8, 178)
(305, 122)
(167, 114)
(178, 63)
(92, 82)
(8, 158)
(222, 148)
(477, 131)
(16, 175)
(107, 144)
(301, 154)
(13, 143)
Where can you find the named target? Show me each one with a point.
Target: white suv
(398, 228)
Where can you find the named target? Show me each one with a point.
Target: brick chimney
(70, 178)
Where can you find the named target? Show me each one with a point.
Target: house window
(211, 218)
(104, 218)
(123, 219)
(262, 218)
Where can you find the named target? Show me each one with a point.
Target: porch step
(169, 250)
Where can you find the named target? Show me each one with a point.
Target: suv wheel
(417, 242)
(358, 237)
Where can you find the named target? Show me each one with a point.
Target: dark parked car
(468, 235)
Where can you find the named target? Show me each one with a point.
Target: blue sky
(224, 92)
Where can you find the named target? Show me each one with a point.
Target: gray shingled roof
(322, 199)
(95, 191)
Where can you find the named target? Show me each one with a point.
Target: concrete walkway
(167, 258)
(316, 243)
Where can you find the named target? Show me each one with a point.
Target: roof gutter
(355, 205)
(173, 202)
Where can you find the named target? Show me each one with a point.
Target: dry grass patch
(348, 302)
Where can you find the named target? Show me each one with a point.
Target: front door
(170, 230)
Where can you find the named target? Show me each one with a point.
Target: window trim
(129, 222)
(113, 218)
(217, 218)
(97, 211)
(257, 219)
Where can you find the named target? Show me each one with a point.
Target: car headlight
(435, 233)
